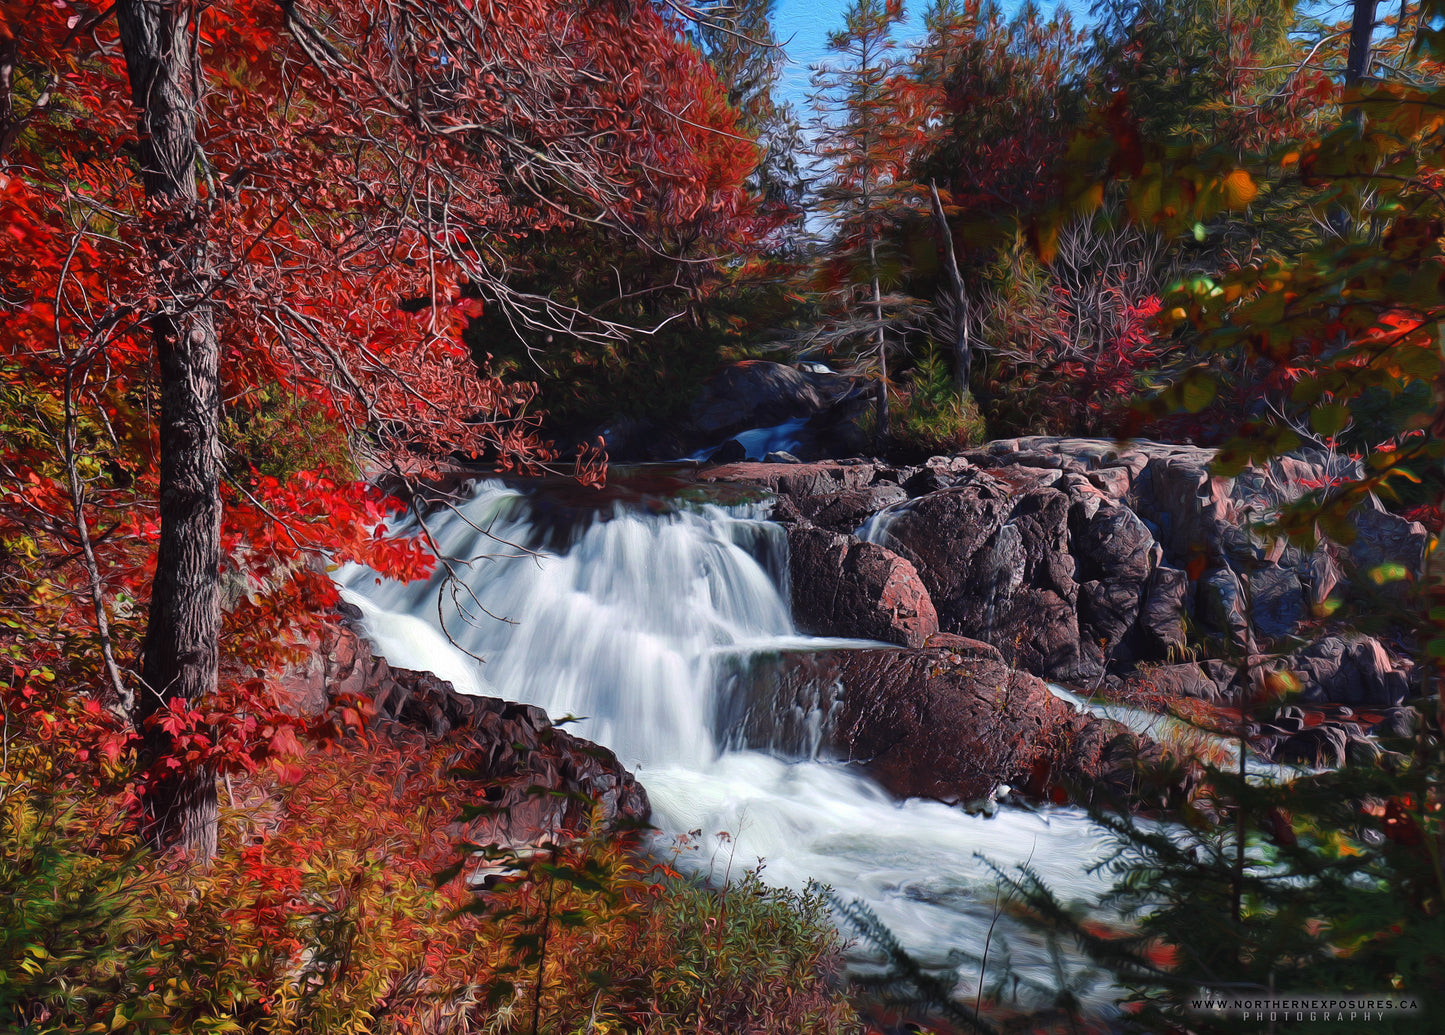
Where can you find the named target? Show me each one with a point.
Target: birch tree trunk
(958, 307)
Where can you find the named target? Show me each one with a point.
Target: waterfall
(632, 620)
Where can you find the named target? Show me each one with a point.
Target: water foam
(631, 626)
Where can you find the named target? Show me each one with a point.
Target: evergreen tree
(737, 39)
(864, 141)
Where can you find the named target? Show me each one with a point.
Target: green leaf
(1330, 419)
(1197, 391)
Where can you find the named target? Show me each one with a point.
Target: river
(629, 616)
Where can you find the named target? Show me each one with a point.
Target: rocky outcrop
(539, 782)
(1357, 672)
(950, 721)
(999, 569)
(755, 393)
(800, 481)
(842, 586)
(1082, 559)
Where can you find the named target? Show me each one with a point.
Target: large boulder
(1115, 555)
(998, 567)
(1077, 557)
(842, 586)
(1352, 672)
(756, 393)
(947, 722)
(540, 783)
(846, 510)
(1162, 632)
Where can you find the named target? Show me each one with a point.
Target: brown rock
(847, 509)
(947, 722)
(541, 782)
(999, 569)
(842, 586)
(812, 479)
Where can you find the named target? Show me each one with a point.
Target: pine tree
(864, 142)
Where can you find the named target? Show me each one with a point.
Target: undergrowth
(325, 913)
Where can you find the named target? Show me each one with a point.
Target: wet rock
(755, 394)
(539, 781)
(729, 452)
(847, 509)
(798, 480)
(761, 394)
(935, 722)
(781, 456)
(842, 586)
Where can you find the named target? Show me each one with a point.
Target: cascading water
(631, 619)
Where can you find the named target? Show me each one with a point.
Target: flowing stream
(629, 618)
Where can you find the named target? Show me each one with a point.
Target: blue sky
(808, 22)
(803, 25)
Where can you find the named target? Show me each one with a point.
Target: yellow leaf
(1239, 189)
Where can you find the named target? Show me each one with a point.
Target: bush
(66, 891)
(931, 416)
(322, 914)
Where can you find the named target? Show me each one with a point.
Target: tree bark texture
(1362, 31)
(962, 338)
(181, 653)
(881, 344)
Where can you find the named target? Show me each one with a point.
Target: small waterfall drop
(633, 620)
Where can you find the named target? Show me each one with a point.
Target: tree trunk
(1362, 30)
(181, 652)
(962, 338)
(880, 435)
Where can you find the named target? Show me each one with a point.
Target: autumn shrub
(1072, 341)
(617, 942)
(323, 912)
(66, 890)
(749, 958)
(930, 416)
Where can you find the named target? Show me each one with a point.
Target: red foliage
(360, 184)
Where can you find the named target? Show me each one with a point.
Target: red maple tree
(212, 207)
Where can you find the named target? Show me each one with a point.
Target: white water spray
(625, 618)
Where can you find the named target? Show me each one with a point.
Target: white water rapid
(627, 618)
